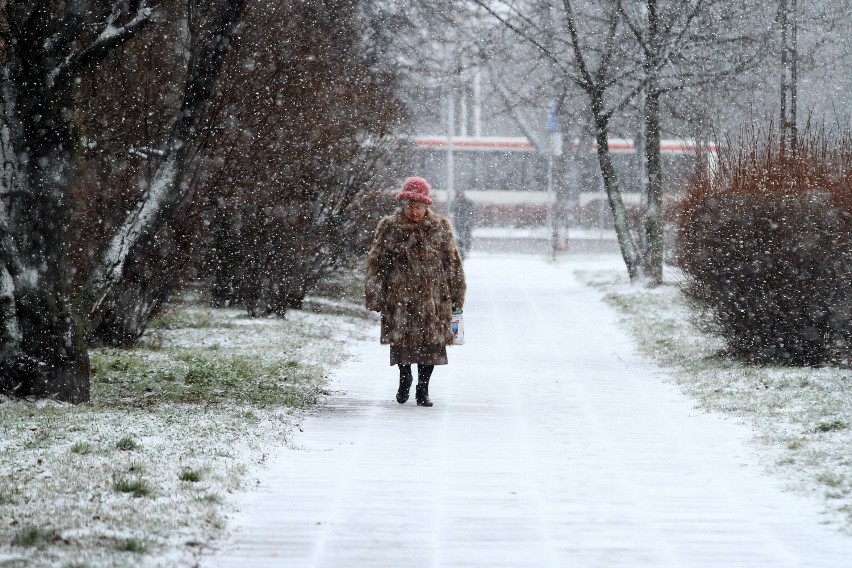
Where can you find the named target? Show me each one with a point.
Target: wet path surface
(550, 444)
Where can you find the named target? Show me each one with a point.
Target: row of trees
(145, 142)
(635, 68)
(611, 56)
(763, 242)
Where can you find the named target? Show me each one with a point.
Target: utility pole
(554, 148)
(789, 55)
(451, 119)
(477, 103)
(477, 122)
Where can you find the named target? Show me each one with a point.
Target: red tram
(509, 173)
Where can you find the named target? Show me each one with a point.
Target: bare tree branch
(521, 33)
(609, 48)
(111, 37)
(587, 81)
(165, 191)
(503, 91)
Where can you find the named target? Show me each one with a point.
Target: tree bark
(166, 190)
(653, 256)
(42, 341)
(141, 296)
(43, 353)
(629, 251)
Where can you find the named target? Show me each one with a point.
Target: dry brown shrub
(765, 244)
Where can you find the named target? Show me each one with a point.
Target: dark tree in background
(298, 118)
(124, 124)
(619, 54)
(209, 30)
(44, 47)
(120, 158)
(305, 146)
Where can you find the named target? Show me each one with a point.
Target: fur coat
(415, 279)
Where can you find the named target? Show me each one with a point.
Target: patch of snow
(540, 233)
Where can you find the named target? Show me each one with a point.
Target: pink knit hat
(415, 189)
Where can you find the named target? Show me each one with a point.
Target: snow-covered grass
(142, 475)
(801, 417)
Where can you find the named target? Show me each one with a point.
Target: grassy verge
(801, 417)
(142, 474)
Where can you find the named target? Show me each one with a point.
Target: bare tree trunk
(653, 256)
(13, 361)
(227, 275)
(166, 190)
(594, 85)
(629, 251)
(50, 332)
(43, 354)
(789, 55)
(42, 343)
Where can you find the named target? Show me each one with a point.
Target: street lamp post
(554, 148)
(451, 191)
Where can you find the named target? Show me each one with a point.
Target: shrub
(127, 444)
(318, 150)
(279, 189)
(765, 244)
(34, 537)
(190, 475)
(137, 487)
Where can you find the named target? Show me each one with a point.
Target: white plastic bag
(457, 325)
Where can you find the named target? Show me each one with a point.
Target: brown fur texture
(415, 279)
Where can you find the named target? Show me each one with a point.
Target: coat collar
(402, 220)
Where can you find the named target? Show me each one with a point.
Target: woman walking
(415, 279)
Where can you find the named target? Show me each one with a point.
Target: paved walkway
(559, 448)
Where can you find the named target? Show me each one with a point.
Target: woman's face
(415, 212)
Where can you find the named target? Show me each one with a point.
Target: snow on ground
(140, 475)
(551, 443)
(542, 233)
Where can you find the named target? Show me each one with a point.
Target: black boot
(421, 393)
(405, 380)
